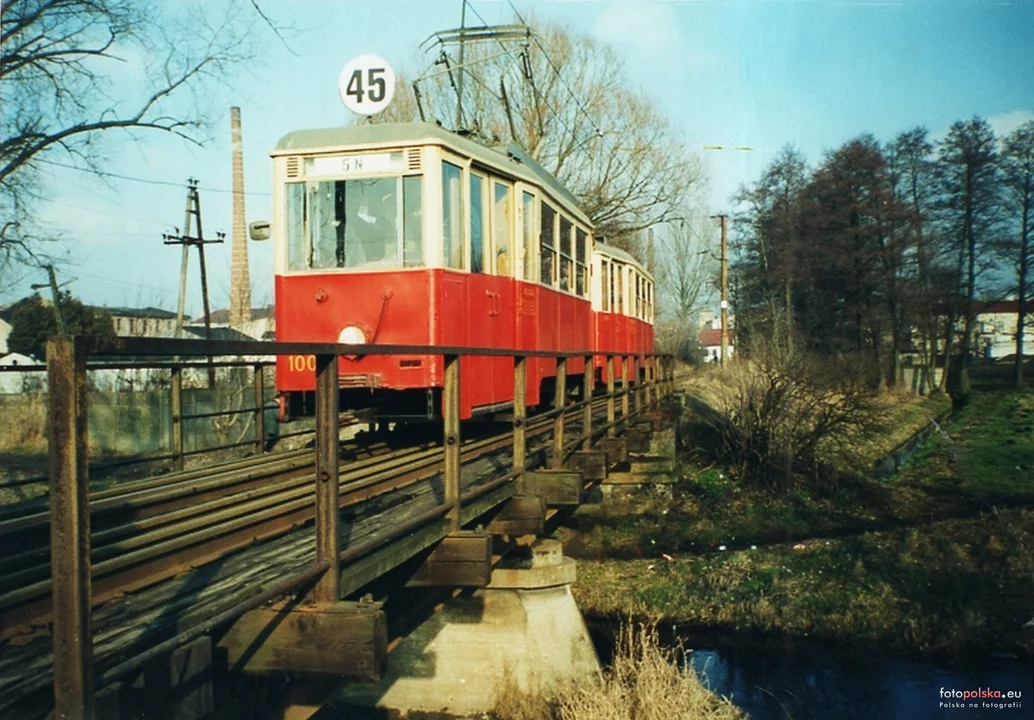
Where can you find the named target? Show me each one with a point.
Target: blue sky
(760, 74)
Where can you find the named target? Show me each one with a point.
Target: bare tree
(1018, 175)
(566, 100)
(911, 167)
(685, 272)
(74, 71)
(971, 213)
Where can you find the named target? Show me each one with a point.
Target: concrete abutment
(523, 629)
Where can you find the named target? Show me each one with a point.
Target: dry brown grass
(23, 422)
(643, 683)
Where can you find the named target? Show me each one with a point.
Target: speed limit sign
(367, 84)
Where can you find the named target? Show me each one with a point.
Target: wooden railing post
(328, 514)
(72, 631)
(451, 439)
(559, 401)
(636, 385)
(611, 400)
(624, 390)
(649, 381)
(176, 411)
(520, 414)
(260, 414)
(588, 379)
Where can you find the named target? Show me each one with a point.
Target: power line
(534, 88)
(146, 181)
(559, 74)
(96, 211)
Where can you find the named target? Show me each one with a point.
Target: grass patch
(986, 453)
(936, 561)
(944, 590)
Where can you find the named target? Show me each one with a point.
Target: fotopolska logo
(981, 698)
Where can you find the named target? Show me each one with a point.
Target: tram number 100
(301, 363)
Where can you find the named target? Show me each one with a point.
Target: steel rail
(125, 558)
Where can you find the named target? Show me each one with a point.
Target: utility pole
(188, 241)
(57, 304)
(54, 291)
(724, 219)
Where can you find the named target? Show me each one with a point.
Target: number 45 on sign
(367, 85)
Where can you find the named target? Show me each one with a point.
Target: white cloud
(1005, 123)
(647, 29)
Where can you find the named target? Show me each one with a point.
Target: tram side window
(621, 290)
(452, 215)
(566, 265)
(353, 223)
(581, 269)
(548, 256)
(502, 229)
(477, 223)
(605, 285)
(412, 222)
(530, 249)
(638, 297)
(296, 220)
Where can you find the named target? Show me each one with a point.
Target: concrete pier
(523, 628)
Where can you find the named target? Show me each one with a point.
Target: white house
(5, 332)
(995, 332)
(711, 339)
(15, 381)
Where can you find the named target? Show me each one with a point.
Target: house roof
(1000, 307)
(152, 313)
(710, 337)
(219, 333)
(223, 316)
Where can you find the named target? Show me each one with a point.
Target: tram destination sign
(370, 163)
(367, 84)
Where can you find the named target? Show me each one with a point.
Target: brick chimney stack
(240, 283)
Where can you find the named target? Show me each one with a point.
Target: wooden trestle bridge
(96, 585)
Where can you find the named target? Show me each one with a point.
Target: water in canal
(809, 683)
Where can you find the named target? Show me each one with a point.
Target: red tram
(408, 234)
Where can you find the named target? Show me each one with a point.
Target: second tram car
(408, 234)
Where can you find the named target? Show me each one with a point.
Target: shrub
(768, 414)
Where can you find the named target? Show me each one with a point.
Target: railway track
(149, 530)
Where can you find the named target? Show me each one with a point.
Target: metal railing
(74, 683)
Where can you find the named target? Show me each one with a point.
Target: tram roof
(619, 254)
(510, 156)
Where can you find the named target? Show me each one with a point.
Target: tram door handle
(493, 303)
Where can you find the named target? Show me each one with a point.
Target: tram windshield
(356, 223)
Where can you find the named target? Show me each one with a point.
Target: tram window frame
(413, 227)
(530, 236)
(325, 205)
(452, 219)
(638, 296)
(566, 268)
(547, 244)
(478, 224)
(297, 232)
(502, 229)
(621, 289)
(581, 250)
(605, 286)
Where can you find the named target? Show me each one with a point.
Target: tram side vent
(292, 167)
(413, 159)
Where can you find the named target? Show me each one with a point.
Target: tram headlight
(352, 335)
